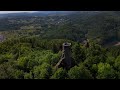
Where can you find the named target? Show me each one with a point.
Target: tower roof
(66, 44)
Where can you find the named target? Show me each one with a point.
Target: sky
(5, 12)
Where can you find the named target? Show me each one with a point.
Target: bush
(59, 74)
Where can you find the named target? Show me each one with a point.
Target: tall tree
(78, 53)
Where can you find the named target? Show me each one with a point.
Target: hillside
(77, 25)
(31, 45)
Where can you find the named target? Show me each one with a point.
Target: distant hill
(103, 26)
(37, 13)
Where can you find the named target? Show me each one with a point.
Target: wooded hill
(102, 26)
(32, 45)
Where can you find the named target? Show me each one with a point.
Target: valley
(31, 45)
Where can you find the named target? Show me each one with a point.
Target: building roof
(66, 44)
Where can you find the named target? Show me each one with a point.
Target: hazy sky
(2, 12)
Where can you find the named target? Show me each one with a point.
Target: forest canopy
(31, 46)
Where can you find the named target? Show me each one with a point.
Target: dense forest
(31, 46)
